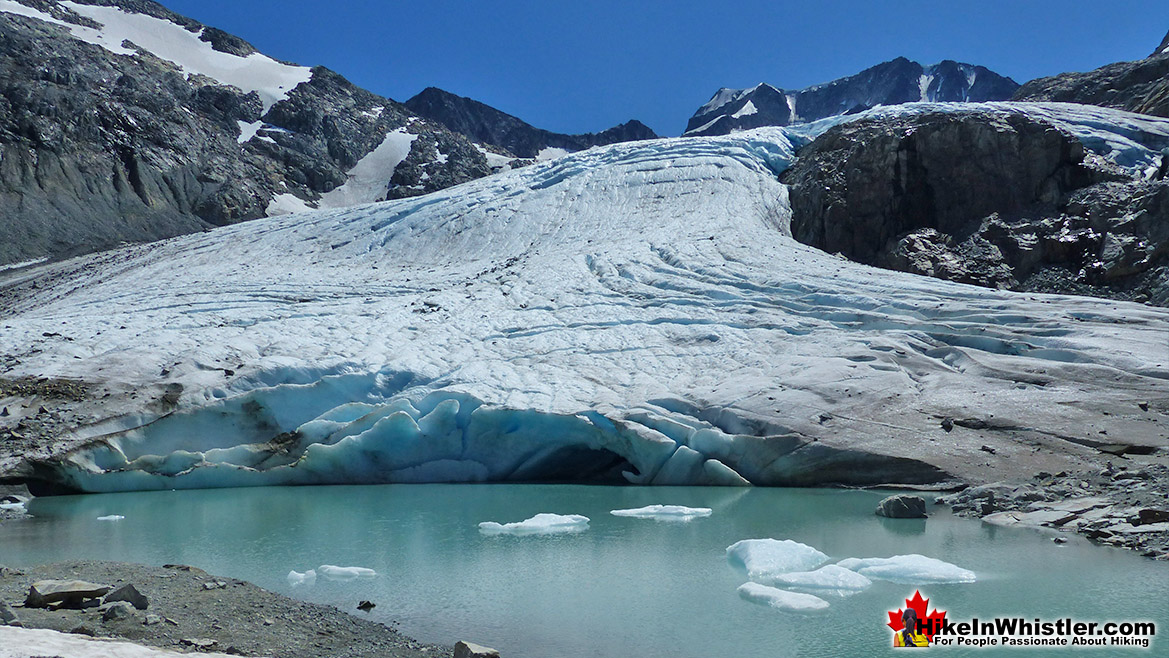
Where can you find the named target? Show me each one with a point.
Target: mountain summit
(890, 83)
(487, 125)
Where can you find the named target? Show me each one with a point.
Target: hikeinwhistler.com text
(1019, 632)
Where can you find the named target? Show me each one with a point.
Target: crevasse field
(631, 313)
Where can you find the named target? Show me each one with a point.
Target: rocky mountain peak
(492, 127)
(894, 82)
(1162, 49)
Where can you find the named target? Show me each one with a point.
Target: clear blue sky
(586, 65)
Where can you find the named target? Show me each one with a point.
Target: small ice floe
(664, 512)
(295, 578)
(829, 579)
(540, 524)
(781, 599)
(764, 559)
(111, 517)
(910, 569)
(344, 573)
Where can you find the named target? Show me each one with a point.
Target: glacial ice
(781, 599)
(540, 524)
(296, 579)
(12, 506)
(664, 512)
(111, 517)
(828, 579)
(632, 313)
(765, 559)
(332, 572)
(909, 569)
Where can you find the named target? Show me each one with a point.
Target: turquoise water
(624, 587)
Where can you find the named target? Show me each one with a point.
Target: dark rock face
(1141, 86)
(97, 149)
(991, 199)
(890, 83)
(1161, 49)
(487, 125)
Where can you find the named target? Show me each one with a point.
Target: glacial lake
(623, 587)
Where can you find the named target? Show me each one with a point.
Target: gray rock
(7, 616)
(1139, 86)
(469, 650)
(1150, 515)
(487, 125)
(44, 592)
(151, 620)
(118, 610)
(902, 506)
(127, 593)
(98, 149)
(991, 198)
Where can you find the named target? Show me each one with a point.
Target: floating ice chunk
(18, 506)
(111, 517)
(344, 573)
(764, 559)
(540, 524)
(828, 579)
(781, 599)
(296, 578)
(664, 512)
(909, 569)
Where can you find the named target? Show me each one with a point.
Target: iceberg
(764, 559)
(540, 524)
(344, 573)
(664, 512)
(909, 569)
(295, 578)
(781, 599)
(829, 579)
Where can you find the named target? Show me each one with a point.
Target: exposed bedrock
(1138, 86)
(993, 199)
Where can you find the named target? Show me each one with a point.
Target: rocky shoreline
(189, 610)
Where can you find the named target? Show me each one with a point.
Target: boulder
(469, 650)
(129, 594)
(118, 610)
(7, 616)
(903, 506)
(44, 592)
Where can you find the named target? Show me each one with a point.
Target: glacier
(633, 313)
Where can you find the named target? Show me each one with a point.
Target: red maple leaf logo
(929, 624)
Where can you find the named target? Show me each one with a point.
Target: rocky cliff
(104, 140)
(487, 125)
(1002, 200)
(890, 83)
(1139, 86)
